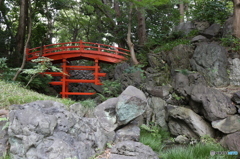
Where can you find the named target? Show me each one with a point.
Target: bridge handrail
(71, 46)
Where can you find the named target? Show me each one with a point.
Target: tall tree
(141, 28)
(22, 26)
(236, 18)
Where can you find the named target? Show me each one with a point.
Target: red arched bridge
(63, 52)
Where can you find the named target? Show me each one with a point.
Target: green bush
(213, 11)
(111, 88)
(231, 42)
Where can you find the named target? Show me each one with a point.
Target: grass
(154, 136)
(199, 151)
(13, 93)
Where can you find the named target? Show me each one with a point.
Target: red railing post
(64, 68)
(96, 71)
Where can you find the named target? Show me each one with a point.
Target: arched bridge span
(69, 51)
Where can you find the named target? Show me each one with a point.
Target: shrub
(213, 11)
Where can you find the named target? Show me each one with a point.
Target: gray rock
(44, 129)
(228, 27)
(3, 138)
(201, 26)
(181, 139)
(228, 125)
(185, 27)
(131, 103)
(232, 141)
(156, 61)
(179, 57)
(131, 132)
(211, 60)
(78, 109)
(212, 31)
(234, 71)
(159, 113)
(183, 121)
(199, 38)
(120, 69)
(133, 78)
(215, 104)
(106, 114)
(132, 150)
(159, 91)
(236, 97)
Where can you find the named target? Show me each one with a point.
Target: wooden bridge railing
(81, 47)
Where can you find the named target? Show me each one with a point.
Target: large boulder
(214, 105)
(132, 150)
(131, 103)
(45, 129)
(106, 114)
(130, 132)
(183, 84)
(228, 125)
(159, 113)
(179, 57)
(212, 31)
(234, 71)
(185, 27)
(232, 141)
(211, 60)
(183, 121)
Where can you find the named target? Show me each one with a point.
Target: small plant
(3, 64)
(153, 136)
(111, 88)
(177, 97)
(231, 42)
(43, 64)
(7, 123)
(136, 68)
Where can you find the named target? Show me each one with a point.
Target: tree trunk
(20, 37)
(142, 35)
(121, 41)
(26, 44)
(129, 42)
(181, 9)
(236, 18)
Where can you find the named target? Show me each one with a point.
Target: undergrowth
(14, 93)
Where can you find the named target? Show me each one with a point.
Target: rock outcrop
(132, 150)
(211, 60)
(183, 121)
(44, 129)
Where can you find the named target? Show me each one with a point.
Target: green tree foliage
(213, 11)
